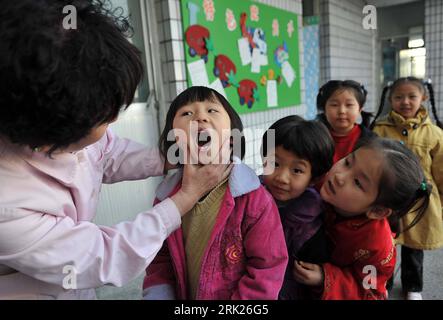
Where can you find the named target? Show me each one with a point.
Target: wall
(434, 46)
(174, 77)
(392, 22)
(347, 51)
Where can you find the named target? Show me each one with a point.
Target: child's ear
(378, 212)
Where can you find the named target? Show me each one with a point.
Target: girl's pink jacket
(246, 256)
(48, 245)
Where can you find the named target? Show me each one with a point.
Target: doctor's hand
(198, 180)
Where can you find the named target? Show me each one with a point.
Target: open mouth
(203, 139)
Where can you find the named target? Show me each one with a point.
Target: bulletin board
(247, 51)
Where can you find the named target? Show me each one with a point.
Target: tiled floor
(432, 277)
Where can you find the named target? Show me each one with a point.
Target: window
(413, 62)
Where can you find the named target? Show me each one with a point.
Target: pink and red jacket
(245, 258)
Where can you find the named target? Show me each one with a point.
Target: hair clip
(389, 84)
(427, 81)
(36, 149)
(424, 186)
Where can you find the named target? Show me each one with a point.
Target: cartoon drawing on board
(196, 36)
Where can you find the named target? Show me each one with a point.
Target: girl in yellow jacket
(409, 123)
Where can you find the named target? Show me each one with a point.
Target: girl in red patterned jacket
(231, 245)
(367, 193)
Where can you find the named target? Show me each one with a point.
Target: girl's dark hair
(403, 186)
(391, 87)
(57, 84)
(200, 94)
(328, 89)
(308, 140)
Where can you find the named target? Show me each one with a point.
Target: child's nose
(282, 176)
(201, 116)
(339, 179)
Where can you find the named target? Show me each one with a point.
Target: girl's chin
(344, 127)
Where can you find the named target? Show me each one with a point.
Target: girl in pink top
(59, 90)
(243, 251)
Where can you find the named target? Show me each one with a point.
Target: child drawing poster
(247, 51)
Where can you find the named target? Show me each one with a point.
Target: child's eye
(297, 171)
(347, 162)
(186, 113)
(358, 184)
(212, 110)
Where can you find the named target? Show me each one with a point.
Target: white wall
(347, 50)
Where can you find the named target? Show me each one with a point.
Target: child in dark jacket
(302, 153)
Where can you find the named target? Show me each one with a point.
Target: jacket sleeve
(437, 164)
(363, 280)
(266, 255)
(123, 159)
(159, 282)
(45, 247)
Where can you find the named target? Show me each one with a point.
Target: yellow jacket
(426, 140)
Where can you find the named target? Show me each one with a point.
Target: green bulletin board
(246, 50)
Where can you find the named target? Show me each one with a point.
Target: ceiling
(388, 3)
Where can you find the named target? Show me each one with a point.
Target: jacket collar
(396, 119)
(62, 167)
(242, 180)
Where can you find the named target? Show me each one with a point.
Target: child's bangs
(201, 94)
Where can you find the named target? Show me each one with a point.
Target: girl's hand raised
(308, 273)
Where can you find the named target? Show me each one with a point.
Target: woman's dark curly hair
(57, 84)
